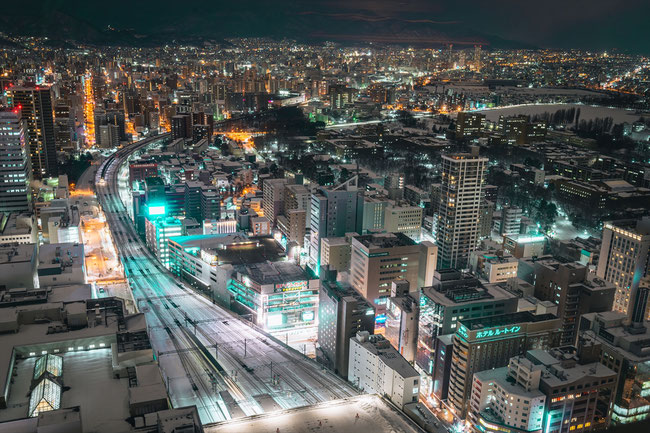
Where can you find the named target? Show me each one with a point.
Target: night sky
(591, 24)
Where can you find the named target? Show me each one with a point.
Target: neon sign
(293, 285)
(495, 332)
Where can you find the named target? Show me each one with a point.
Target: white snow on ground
(587, 112)
(89, 377)
(340, 416)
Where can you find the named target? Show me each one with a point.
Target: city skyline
(595, 25)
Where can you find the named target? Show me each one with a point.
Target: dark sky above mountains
(592, 24)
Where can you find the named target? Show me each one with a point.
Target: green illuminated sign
(495, 332)
(156, 210)
(462, 331)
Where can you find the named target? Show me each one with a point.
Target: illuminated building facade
(276, 295)
(158, 230)
(15, 172)
(453, 297)
(35, 104)
(555, 391)
(489, 342)
(334, 212)
(469, 125)
(379, 259)
(461, 195)
(623, 257)
(342, 312)
(623, 346)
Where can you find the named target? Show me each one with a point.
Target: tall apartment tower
(624, 257)
(477, 58)
(459, 209)
(14, 163)
(273, 198)
(35, 104)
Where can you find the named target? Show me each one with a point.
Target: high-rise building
(623, 257)
(273, 198)
(334, 212)
(460, 207)
(574, 289)
(14, 163)
(158, 232)
(402, 317)
(374, 211)
(553, 391)
(510, 220)
(342, 312)
(620, 342)
(394, 184)
(489, 342)
(379, 259)
(335, 253)
(35, 104)
(477, 58)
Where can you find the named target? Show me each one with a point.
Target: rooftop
(506, 319)
(384, 240)
(365, 413)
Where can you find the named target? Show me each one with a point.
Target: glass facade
(46, 396)
(52, 364)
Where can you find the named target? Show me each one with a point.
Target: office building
(394, 184)
(459, 208)
(15, 172)
(377, 368)
(574, 289)
(342, 313)
(524, 246)
(379, 259)
(428, 263)
(335, 253)
(453, 297)
(402, 318)
(404, 219)
(510, 220)
(623, 257)
(18, 228)
(557, 390)
(469, 125)
(493, 266)
(158, 231)
(374, 211)
(335, 211)
(35, 104)
(275, 295)
(18, 266)
(621, 342)
(273, 198)
(489, 342)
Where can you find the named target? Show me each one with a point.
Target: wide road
(209, 356)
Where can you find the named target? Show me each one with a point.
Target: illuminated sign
(275, 320)
(208, 258)
(156, 210)
(307, 316)
(495, 332)
(381, 318)
(462, 331)
(291, 286)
